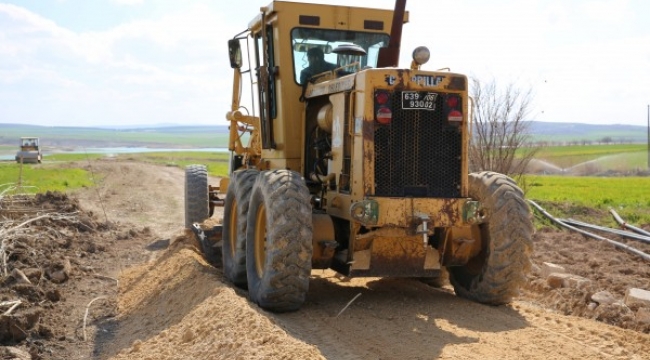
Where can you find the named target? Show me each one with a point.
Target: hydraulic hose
(588, 234)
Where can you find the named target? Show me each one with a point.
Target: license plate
(420, 100)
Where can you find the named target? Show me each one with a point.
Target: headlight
(421, 55)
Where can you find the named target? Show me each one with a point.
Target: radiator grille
(418, 154)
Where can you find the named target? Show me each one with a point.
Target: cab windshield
(333, 44)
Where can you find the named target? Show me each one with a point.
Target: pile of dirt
(608, 269)
(177, 307)
(53, 260)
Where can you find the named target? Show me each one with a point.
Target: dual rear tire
(234, 227)
(267, 237)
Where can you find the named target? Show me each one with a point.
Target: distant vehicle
(30, 152)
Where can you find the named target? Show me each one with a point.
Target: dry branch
(14, 304)
(348, 304)
(117, 282)
(87, 308)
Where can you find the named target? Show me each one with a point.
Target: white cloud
(146, 65)
(169, 61)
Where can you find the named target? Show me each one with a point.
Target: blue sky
(103, 62)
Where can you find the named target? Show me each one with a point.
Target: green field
(589, 198)
(585, 198)
(35, 179)
(633, 155)
(51, 176)
(216, 162)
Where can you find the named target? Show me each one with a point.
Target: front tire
(496, 274)
(279, 241)
(235, 224)
(197, 207)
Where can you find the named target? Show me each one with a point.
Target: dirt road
(171, 304)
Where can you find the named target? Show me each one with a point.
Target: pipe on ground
(625, 225)
(626, 234)
(588, 234)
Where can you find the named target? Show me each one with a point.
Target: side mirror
(234, 51)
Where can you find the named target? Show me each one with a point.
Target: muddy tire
(197, 208)
(496, 274)
(279, 241)
(233, 251)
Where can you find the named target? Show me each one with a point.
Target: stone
(637, 298)
(603, 298)
(643, 315)
(558, 280)
(550, 268)
(592, 306)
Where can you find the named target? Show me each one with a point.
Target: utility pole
(648, 137)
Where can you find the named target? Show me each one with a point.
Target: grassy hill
(167, 136)
(578, 133)
(192, 136)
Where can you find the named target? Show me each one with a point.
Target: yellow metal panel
(402, 211)
(338, 205)
(281, 163)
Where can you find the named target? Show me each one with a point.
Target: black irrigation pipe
(627, 234)
(588, 234)
(625, 225)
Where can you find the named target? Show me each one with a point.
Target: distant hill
(175, 135)
(568, 132)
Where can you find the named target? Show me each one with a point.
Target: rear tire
(279, 241)
(496, 274)
(235, 224)
(197, 207)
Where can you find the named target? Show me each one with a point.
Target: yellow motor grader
(361, 168)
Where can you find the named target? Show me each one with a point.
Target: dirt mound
(51, 260)
(177, 307)
(607, 268)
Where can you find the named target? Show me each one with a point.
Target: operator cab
(351, 51)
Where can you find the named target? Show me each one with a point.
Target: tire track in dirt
(403, 318)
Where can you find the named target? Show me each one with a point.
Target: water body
(111, 151)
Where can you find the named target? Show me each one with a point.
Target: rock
(53, 295)
(603, 297)
(188, 336)
(14, 353)
(33, 274)
(535, 270)
(592, 306)
(550, 268)
(20, 277)
(557, 280)
(58, 277)
(637, 298)
(61, 273)
(643, 315)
